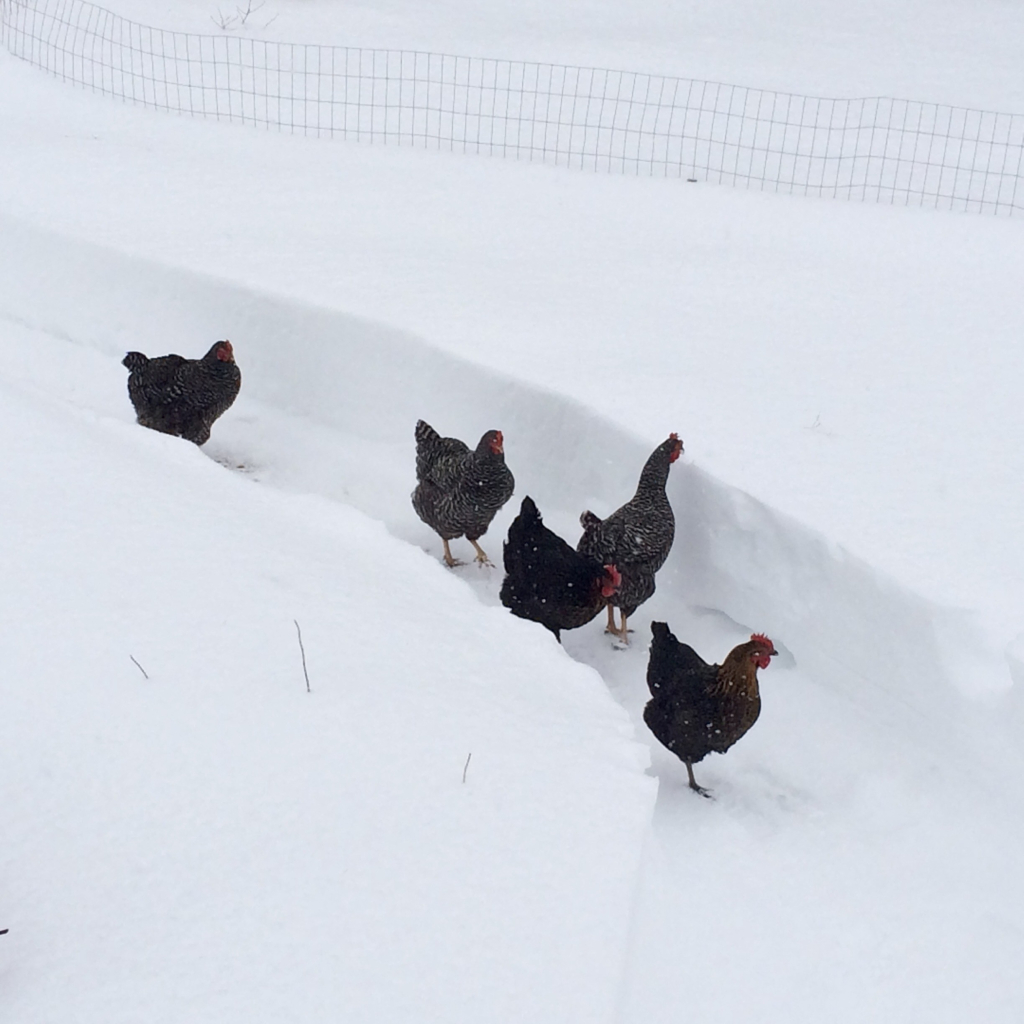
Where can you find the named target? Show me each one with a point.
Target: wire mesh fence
(886, 150)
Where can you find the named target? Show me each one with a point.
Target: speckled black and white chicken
(636, 538)
(182, 396)
(460, 490)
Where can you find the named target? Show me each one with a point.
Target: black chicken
(548, 582)
(697, 708)
(183, 396)
(460, 491)
(637, 538)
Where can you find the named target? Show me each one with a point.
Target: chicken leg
(617, 631)
(448, 559)
(693, 782)
(481, 555)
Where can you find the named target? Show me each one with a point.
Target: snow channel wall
(846, 624)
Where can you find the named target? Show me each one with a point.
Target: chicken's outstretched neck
(654, 475)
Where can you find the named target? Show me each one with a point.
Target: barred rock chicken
(548, 582)
(697, 708)
(460, 491)
(183, 396)
(637, 538)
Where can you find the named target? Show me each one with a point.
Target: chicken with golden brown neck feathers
(637, 538)
(697, 708)
(460, 490)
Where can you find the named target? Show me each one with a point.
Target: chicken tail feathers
(660, 664)
(428, 446)
(528, 510)
(134, 361)
(523, 525)
(675, 667)
(661, 632)
(426, 435)
(522, 532)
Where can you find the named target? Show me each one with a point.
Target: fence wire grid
(876, 149)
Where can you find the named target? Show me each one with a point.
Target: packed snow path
(190, 836)
(220, 846)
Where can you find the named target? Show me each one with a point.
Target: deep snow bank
(733, 553)
(865, 830)
(855, 367)
(212, 843)
(861, 855)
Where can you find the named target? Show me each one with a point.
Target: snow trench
(733, 554)
(868, 715)
(448, 827)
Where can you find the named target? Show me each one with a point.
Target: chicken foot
(693, 782)
(619, 632)
(450, 561)
(481, 555)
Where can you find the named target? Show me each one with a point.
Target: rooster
(637, 538)
(460, 490)
(548, 582)
(697, 708)
(183, 396)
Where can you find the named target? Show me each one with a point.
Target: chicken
(548, 582)
(637, 538)
(183, 396)
(697, 708)
(460, 491)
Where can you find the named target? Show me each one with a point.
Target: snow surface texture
(790, 343)
(848, 781)
(951, 52)
(178, 851)
(870, 149)
(209, 842)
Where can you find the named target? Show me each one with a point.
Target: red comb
(760, 638)
(677, 447)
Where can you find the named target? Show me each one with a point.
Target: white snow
(949, 52)
(212, 843)
(215, 844)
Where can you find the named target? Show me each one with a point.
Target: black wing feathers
(545, 579)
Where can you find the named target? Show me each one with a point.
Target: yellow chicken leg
(481, 555)
(448, 559)
(620, 632)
